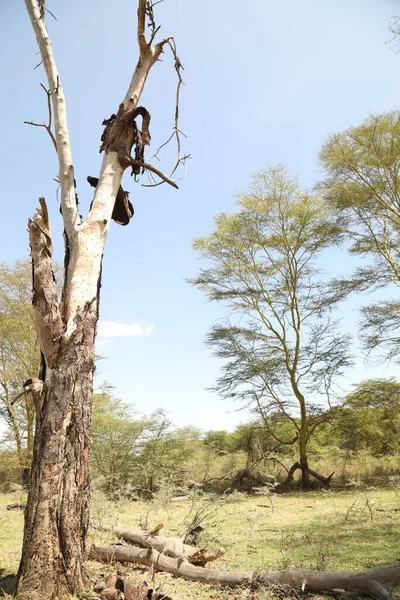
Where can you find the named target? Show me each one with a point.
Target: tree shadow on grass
(345, 544)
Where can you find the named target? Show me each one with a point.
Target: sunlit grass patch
(319, 530)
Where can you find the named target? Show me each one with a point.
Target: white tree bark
(86, 239)
(57, 514)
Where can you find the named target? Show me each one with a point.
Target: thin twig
(49, 124)
(50, 13)
(152, 23)
(176, 132)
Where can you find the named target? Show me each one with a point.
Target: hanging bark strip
(376, 583)
(57, 514)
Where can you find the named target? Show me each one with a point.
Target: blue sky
(266, 83)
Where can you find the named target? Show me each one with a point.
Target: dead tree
(57, 515)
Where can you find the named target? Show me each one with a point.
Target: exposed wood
(49, 323)
(57, 514)
(376, 583)
(170, 546)
(66, 170)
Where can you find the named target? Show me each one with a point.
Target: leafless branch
(176, 132)
(50, 13)
(143, 46)
(152, 23)
(160, 174)
(49, 123)
(70, 212)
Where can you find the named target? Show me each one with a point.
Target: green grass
(343, 530)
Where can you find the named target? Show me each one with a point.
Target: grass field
(342, 530)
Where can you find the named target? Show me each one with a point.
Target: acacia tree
(281, 347)
(362, 166)
(370, 417)
(57, 514)
(19, 356)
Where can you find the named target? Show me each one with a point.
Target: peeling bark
(49, 323)
(57, 515)
(377, 582)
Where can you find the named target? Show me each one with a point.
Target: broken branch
(170, 546)
(143, 46)
(377, 582)
(45, 296)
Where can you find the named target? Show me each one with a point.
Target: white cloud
(110, 329)
(102, 343)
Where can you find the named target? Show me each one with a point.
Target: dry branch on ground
(376, 583)
(169, 546)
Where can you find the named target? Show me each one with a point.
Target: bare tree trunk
(57, 514)
(305, 473)
(304, 429)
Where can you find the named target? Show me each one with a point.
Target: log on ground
(170, 546)
(377, 582)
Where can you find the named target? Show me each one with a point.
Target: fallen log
(170, 546)
(376, 583)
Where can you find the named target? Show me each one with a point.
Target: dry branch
(176, 132)
(66, 170)
(47, 126)
(50, 326)
(376, 583)
(170, 546)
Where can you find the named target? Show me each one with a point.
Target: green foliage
(116, 437)
(362, 166)
(167, 452)
(10, 468)
(218, 442)
(131, 452)
(19, 356)
(370, 417)
(282, 350)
